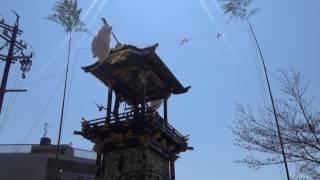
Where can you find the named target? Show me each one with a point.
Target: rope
(186, 40)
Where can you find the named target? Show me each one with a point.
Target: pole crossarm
(13, 90)
(9, 28)
(4, 45)
(5, 37)
(15, 53)
(3, 57)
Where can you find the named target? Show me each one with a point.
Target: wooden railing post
(143, 99)
(98, 165)
(109, 105)
(165, 110)
(143, 95)
(116, 108)
(103, 165)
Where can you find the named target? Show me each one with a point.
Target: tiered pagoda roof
(122, 70)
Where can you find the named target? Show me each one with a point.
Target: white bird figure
(184, 41)
(154, 105)
(100, 45)
(100, 107)
(221, 35)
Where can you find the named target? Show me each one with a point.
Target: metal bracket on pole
(13, 90)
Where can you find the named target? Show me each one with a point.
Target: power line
(8, 109)
(42, 79)
(262, 88)
(69, 90)
(12, 97)
(56, 162)
(43, 110)
(71, 79)
(259, 71)
(270, 94)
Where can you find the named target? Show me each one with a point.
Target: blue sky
(222, 72)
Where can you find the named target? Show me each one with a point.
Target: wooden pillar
(143, 99)
(143, 95)
(136, 111)
(172, 170)
(116, 108)
(103, 165)
(98, 165)
(165, 109)
(109, 105)
(145, 164)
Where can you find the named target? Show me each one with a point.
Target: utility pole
(15, 53)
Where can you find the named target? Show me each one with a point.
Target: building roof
(122, 70)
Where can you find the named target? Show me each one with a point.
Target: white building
(36, 162)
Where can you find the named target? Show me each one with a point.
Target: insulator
(26, 64)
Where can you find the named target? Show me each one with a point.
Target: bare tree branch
(299, 122)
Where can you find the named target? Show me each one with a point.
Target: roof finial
(114, 36)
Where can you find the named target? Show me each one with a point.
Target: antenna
(45, 129)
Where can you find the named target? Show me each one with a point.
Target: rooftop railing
(84, 154)
(15, 148)
(26, 149)
(127, 116)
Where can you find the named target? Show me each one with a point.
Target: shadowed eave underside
(123, 69)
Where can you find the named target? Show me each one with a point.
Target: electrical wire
(53, 75)
(70, 87)
(75, 63)
(12, 97)
(263, 88)
(43, 110)
(10, 104)
(42, 79)
(57, 156)
(65, 40)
